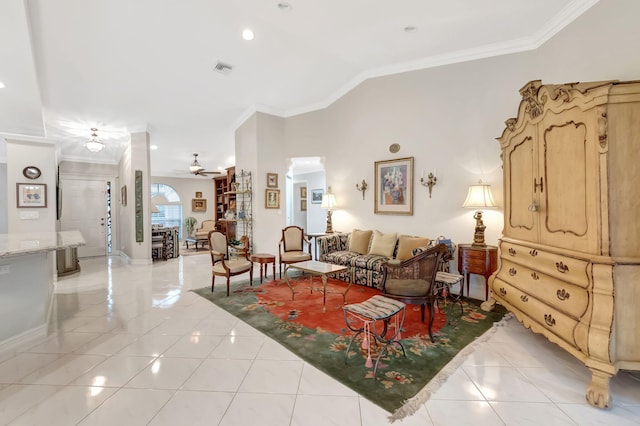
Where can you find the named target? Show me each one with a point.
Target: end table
(480, 260)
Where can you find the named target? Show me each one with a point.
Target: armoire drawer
(555, 321)
(564, 268)
(565, 297)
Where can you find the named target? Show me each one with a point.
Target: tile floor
(130, 345)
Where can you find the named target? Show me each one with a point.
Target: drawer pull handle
(563, 294)
(503, 292)
(549, 320)
(512, 271)
(535, 276)
(512, 251)
(562, 267)
(533, 252)
(524, 298)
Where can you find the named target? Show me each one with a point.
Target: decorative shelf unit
(236, 220)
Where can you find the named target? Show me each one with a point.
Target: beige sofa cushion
(406, 244)
(383, 244)
(359, 241)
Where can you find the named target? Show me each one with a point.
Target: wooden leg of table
(324, 292)
(274, 270)
(286, 279)
(261, 272)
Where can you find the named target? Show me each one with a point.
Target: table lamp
(479, 196)
(329, 203)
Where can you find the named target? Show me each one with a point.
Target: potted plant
(190, 224)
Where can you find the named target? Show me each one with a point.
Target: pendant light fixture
(94, 145)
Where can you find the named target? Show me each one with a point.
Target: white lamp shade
(479, 196)
(328, 201)
(159, 199)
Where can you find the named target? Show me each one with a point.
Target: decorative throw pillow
(383, 244)
(359, 241)
(406, 245)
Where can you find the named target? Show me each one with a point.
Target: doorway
(84, 207)
(305, 177)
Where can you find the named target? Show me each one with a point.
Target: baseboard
(11, 345)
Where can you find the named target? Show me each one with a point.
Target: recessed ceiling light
(247, 34)
(283, 5)
(153, 147)
(410, 29)
(2, 86)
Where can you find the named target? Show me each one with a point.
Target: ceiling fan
(196, 169)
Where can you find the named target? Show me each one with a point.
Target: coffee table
(195, 242)
(321, 269)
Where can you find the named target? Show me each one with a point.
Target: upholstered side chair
(412, 280)
(222, 265)
(292, 246)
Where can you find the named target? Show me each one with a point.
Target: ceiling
(125, 66)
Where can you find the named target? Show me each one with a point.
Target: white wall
(20, 154)
(316, 216)
(3, 198)
(446, 118)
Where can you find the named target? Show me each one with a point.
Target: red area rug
(306, 308)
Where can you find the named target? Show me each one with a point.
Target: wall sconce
(431, 180)
(362, 187)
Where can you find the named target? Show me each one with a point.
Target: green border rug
(402, 384)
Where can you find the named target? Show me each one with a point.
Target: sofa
(365, 252)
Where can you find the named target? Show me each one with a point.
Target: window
(169, 213)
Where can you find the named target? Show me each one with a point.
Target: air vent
(223, 68)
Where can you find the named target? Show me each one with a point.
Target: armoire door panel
(569, 216)
(522, 223)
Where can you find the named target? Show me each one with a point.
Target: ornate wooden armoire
(570, 254)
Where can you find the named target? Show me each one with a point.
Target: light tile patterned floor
(130, 345)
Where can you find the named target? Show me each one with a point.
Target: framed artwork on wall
(272, 199)
(303, 205)
(316, 196)
(198, 194)
(198, 205)
(272, 180)
(394, 186)
(31, 195)
(303, 192)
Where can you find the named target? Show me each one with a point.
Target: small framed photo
(123, 195)
(31, 195)
(316, 196)
(272, 180)
(272, 199)
(199, 205)
(303, 205)
(198, 194)
(303, 192)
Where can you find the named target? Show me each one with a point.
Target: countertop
(37, 242)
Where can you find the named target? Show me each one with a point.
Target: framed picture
(199, 205)
(303, 205)
(303, 192)
(272, 180)
(31, 195)
(394, 186)
(272, 199)
(316, 196)
(198, 194)
(123, 195)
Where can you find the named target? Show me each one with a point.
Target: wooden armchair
(221, 265)
(291, 246)
(412, 281)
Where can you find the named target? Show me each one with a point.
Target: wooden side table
(477, 260)
(265, 259)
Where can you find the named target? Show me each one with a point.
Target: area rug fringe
(414, 403)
